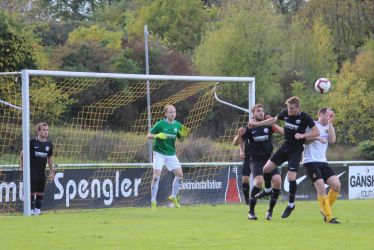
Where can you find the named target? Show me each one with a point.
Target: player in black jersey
(295, 125)
(258, 149)
(41, 152)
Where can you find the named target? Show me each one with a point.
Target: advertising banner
(92, 188)
(361, 182)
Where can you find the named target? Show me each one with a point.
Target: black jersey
(293, 125)
(258, 142)
(39, 152)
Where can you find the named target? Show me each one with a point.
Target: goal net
(98, 124)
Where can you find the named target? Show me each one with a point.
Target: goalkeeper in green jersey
(165, 132)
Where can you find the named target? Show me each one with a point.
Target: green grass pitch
(193, 227)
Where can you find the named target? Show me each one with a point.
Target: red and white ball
(322, 85)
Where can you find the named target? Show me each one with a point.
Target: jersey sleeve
(156, 128)
(309, 121)
(31, 146)
(247, 133)
(50, 152)
(282, 114)
(179, 129)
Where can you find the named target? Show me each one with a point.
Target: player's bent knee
(291, 176)
(336, 186)
(276, 182)
(259, 183)
(245, 179)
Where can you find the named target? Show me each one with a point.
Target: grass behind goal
(194, 227)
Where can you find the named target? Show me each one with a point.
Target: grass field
(193, 227)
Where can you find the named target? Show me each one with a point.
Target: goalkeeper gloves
(184, 131)
(161, 136)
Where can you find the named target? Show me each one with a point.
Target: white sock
(154, 189)
(291, 204)
(267, 190)
(176, 184)
(37, 211)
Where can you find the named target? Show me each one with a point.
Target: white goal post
(27, 74)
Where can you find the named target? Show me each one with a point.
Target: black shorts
(290, 154)
(319, 170)
(257, 168)
(38, 183)
(246, 170)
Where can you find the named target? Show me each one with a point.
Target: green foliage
(367, 149)
(73, 9)
(309, 50)
(353, 98)
(180, 23)
(17, 46)
(246, 45)
(53, 34)
(351, 23)
(90, 49)
(96, 34)
(47, 102)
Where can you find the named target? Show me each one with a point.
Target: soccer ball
(322, 85)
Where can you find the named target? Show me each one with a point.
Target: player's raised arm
(314, 132)
(238, 138)
(267, 122)
(332, 135)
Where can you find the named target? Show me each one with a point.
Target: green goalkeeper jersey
(167, 146)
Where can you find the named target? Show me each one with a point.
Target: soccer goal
(98, 124)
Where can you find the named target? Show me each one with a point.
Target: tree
(309, 50)
(247, 42)
(179, 23)
(353, 98)
(351, 23)
(18, 47)
(288, 6)
(72, 10)
(89, 49)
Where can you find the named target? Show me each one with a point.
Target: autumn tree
(247, 42)
(353, 98)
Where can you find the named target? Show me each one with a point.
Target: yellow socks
(325, 207)
(333, 195)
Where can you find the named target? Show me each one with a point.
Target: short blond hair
(167, 106)
(257, 106)
(40, 125)
(293, 100)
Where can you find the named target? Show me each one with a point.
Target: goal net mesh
(98, 127)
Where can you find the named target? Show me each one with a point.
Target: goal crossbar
(137, 76)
